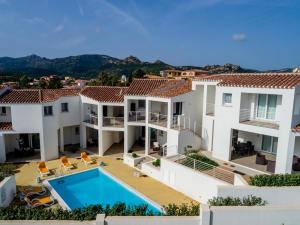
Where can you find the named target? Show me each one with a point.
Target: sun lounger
(42, 168)
(45, 201)
(65, 163)
(85, 158)
(32, 190)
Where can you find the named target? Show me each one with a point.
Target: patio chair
(296, 163)
(65, 163)
(85, 158)
(156, 146)
(42, 168)
(271, 166)
(32, 190)
(260, 159)
(45, 201)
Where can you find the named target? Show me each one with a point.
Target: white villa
(224, 115)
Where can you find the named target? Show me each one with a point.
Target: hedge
(230, 201)
(275, 180)
(19, 212)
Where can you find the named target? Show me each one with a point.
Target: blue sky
(260, 34)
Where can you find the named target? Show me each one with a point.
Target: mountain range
(87, 66)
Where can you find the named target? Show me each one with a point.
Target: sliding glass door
(266, 106)
(269, 144)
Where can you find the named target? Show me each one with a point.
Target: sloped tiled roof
(172, 88)
(105, 93)
(296, 128)
(256, 80)
(164, 88)
(20, 96)
(143, 87)
(5, 126)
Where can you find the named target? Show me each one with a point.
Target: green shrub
(275, 180)
(134, 155)
(17, 212)
(230, 201)
(156, 163)
(8, 169)
(203, 158)
(182, 210)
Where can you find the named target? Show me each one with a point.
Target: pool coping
(64, 205)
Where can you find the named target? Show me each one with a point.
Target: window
(141, 103)
(266, 106)
(64, 107)
(77, 131)
(178, 108)
(3, 111)
(104, 110)
(227, 99)
(297, 105)
(48, 111)
(269, 144)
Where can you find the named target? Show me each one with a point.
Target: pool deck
(149, 187)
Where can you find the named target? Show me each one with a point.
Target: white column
(61, 139)
(126, 110)
(147, 129)
(2, 149)
(147, 140)
(285, 152)
(170, 113)
(42, 147)
(82, 136)
(100, 132)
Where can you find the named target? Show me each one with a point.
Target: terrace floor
(261, 124)
(151, 188)
(234, 166)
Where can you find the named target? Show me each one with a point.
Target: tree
(139, 73)
(42, 84)
(54, 83)
(23, 82)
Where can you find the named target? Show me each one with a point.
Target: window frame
(272, 144)
(3, 108)
(46, 112)
(266, 108)
(223, 100)
(62, 107)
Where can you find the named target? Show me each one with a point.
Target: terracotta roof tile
(5, 126)
(164, 88)
(36, 95)
(105, 93)
(172, 88)
(257, 80)
(296, 128)
(143, 87)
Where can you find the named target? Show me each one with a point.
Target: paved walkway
(151, 188)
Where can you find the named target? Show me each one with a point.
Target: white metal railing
(248, 114)
(113, 121)
(158, 119)
(210, 109)
(91, 118)
(181, 122)
(209, 169)
(136, 116)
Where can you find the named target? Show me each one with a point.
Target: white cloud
(239, 37)
(126, 17)
(34, 20)
(59, 28)
(80, 9)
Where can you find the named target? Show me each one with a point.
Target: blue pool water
(95, 187)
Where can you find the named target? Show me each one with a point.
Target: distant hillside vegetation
(87, 66)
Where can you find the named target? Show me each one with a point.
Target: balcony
(113, 121)
(247, 116)
(137, 116)
(91, 119)
(158, 119)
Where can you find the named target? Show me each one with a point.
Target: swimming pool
(93, 187)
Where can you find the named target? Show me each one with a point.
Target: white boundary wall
(196, 185)
(250, 215)
(7, 191)
(273, 195)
